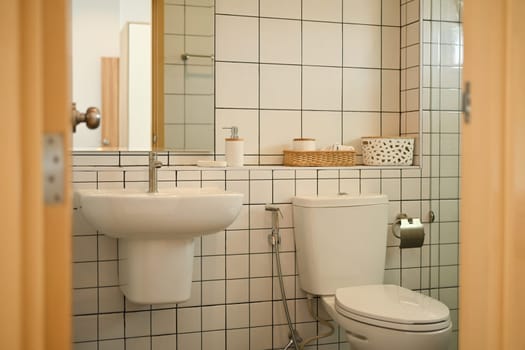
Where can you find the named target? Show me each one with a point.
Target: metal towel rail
(186, 56)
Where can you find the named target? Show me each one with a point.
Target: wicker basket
(319, 158)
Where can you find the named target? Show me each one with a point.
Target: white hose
(321, 321)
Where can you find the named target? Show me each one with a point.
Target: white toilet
(341, 246)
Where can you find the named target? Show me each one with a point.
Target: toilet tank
(340, 241)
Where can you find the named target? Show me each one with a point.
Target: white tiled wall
(277, 64)
(235, 301)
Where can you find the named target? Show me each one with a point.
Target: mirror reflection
(112, 70)
(111, 49)
(282, 72)
(188, 121)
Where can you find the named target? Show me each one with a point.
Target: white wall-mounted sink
(170, 213)
(156, 232)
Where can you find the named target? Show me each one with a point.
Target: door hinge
(53, 168)
(466, 103)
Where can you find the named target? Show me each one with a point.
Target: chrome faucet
(153, 165)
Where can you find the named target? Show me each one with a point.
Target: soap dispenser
(234, 148)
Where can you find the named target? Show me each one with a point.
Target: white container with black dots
(234, 148)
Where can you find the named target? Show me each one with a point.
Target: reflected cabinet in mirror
(334, 71)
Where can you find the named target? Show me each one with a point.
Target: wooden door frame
(35, 243)
(492, 262)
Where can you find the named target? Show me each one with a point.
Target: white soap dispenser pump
(234, 148)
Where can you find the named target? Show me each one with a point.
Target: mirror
(282, 71)
(112, 70)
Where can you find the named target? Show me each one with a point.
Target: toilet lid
(390, 303)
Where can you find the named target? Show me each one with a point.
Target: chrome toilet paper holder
(410, 231)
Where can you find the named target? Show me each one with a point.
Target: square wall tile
(108, 273)
(189, 319)
(214, 340)
(329, 134)
(85, 328)
(391, 46)
(117, 344)
(390, 124)
(357, 125)
(361, 89)
(412, 11)
(237, 266)
(213, 244)
(199, 20)
(174, 82)
(247, 122)
(85, 301)
(237, 316)
(237, 7)
(111, 299)
(390, 90)
(281, 9)
(450, 33)
(450, 77)
(283, 191)
(237, 291)
(237, 38)
(322, 88)
(260, 314)
(164, 342)
(173, 49)
(361, 46)
(450, 10)
(280, 41)
(213, 267)
(85, 275)
(238, 339)
(280, 87)
(260, 289)
(213, 292)
(237, 85)
(137, 324)
(189, 341)
(84, 248)
(198, 80)
(391, 12)
(213, 317)
(278, 129)
(412, 34)
(322, 43)
(362, 11)
(237, 242)
(175, 24)
(260, 265)
(111, 326)
(326, 10)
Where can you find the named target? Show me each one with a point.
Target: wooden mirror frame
(157, 51)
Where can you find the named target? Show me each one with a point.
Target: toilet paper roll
(410, 232)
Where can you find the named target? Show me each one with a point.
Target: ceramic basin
(170, 213)
(156, 234)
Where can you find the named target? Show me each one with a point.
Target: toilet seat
(392, 307)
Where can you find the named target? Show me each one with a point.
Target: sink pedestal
(156, 271)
